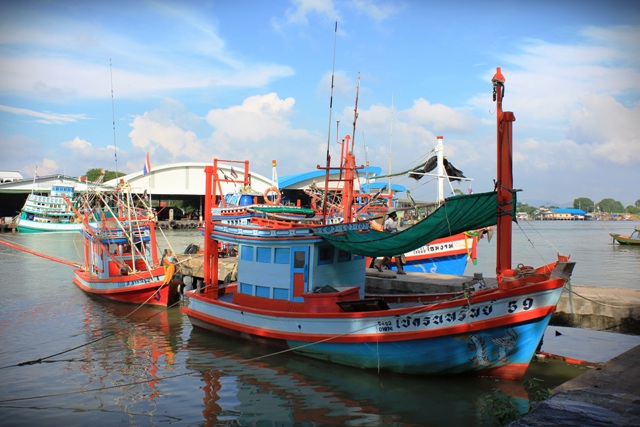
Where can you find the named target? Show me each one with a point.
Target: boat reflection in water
(242, 386)
(129, 345)
(148, 366)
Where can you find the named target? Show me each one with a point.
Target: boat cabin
(294, 266)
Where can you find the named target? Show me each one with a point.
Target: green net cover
(458, 214)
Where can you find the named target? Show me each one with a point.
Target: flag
(470, 191)
(234, 173)
(147, 166)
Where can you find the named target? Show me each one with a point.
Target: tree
(610, 206)
(633, 210)
(523, 207)
(583, 203)
(93, 174)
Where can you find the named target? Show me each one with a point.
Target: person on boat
(391, 226)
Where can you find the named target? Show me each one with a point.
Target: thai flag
(234, 174)
(147, 165)
(470, 191)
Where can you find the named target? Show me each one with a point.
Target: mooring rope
(43, 359)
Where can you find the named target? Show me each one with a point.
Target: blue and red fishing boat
(121, 260)
(301, 285)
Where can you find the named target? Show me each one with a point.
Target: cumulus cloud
(168, 129)
(260, 129)
(608, 129)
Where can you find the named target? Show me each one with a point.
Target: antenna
(333, 67)
(113, 118)
(391, 143)
(327, 172)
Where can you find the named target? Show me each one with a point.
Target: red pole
(210, 246)
(504, 181)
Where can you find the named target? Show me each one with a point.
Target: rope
(602, 303)
(43, 359)
(39, 254)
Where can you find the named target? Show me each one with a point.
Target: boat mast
(504, 183)
(440, 169)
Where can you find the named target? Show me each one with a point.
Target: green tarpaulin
(456, 215)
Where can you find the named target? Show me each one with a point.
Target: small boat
(50, 212)
(633, 239)
(121, 260)
(301, 285)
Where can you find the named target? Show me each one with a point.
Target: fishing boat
(449, 255)
(633, 239)
(121, 260)
(50, 212)
(301, 286)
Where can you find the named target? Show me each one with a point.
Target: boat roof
(299, 180)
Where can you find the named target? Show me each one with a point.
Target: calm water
(104, 364)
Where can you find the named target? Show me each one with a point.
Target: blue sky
(194, 80)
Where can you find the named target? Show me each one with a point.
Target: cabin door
(299, 272)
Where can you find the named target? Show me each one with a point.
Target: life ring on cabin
(269, 191)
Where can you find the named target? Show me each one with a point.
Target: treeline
(589, 206)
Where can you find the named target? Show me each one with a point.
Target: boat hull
(449, 255)
(495, 336)
(142, 288)
(27, 226)
(625, 240)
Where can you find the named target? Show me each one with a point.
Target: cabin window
(263, 291)
(246, 253)
(355, 257)
(279, 293)
(325, 255)
(343, 256)
(282, 255)
(246, 288)
(300, 259)
(263, 255)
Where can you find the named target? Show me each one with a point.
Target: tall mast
(504, 183)
(440, 169)
(113, 118)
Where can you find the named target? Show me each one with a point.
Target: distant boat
(301, 285)
(121, 260)
(633, 239)
(50, 212)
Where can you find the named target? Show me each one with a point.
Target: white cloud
(167, 130)
(301, 9)
(44, 117)
(608, 129)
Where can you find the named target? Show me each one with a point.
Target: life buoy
(269, 191)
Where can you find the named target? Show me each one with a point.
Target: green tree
(633, 210)
(523, 207)
(610, 206)
(583, 203)
(94, 174)
(637, 203)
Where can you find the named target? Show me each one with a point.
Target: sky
(99, 84)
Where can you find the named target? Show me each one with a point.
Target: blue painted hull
(463, 353)
(453, 265)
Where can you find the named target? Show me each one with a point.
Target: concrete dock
(605, 396)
